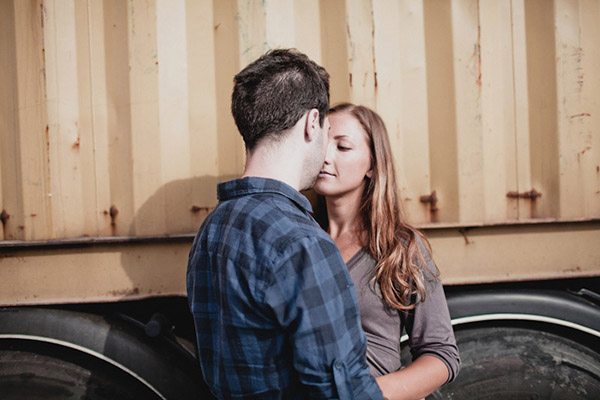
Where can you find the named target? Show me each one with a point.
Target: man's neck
(274, 162)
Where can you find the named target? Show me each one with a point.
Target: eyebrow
(340, 136)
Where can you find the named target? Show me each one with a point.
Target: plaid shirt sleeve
(312, 296)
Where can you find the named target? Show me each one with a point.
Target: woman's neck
(345, 225)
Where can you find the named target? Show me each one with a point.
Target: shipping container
(115, 128)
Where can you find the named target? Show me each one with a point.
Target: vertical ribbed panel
(578, 109)
(115, 115)
(26, 203)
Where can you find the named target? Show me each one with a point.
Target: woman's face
(348, 158)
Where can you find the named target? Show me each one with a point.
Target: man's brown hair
(272, 93)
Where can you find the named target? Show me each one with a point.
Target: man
(273, 304)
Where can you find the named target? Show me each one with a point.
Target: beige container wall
(114, 115)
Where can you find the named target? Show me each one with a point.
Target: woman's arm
(431, 340)
(419, 379)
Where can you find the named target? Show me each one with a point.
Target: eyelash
(344, 148)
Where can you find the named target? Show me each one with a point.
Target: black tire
(524, 361)
(40, 370)
(59, 354)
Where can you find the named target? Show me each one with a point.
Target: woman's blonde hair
(387, 236)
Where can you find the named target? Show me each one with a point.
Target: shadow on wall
(176, 208)
(158, 268)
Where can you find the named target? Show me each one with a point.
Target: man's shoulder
(272, 220)
(262, 208)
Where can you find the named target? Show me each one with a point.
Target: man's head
(271, 94)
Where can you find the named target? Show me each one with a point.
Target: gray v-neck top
(427, 325)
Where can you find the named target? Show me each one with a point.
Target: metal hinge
(430, 199)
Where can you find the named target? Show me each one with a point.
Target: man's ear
(311, 129)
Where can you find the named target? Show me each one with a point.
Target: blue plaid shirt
(274, 306)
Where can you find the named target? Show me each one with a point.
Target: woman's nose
(329, 153)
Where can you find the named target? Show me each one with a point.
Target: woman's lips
(325, 173)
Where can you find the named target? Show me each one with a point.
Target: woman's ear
(369, 173)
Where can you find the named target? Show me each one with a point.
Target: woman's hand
(419, 379)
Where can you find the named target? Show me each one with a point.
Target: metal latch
(430, 199)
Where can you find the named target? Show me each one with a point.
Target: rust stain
(113, 212)
(47, 136)
(196, 209)
(574, 269)
(581, 115)
(4, 216)
(531, 194)
(33, 215)
(578, 54)
(217, 26)
(477, 56)
(375, 79)
(350, 79)
(124, 292)
(586, 149)
(598, 169)
(463, 232)
(77, 143)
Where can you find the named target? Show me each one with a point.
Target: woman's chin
(322, 185)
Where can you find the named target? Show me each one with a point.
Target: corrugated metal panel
(115, 115)
(49, 273)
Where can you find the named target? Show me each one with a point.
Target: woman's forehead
(344, 125)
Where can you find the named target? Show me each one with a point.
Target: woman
(389, 261)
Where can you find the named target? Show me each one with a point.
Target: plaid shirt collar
(254, 185)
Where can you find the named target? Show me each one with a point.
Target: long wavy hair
(393, 242)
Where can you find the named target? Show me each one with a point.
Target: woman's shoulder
(424, 259)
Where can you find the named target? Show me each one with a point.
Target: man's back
(272, 301)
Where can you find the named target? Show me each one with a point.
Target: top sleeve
(428, 325)
(312, 297)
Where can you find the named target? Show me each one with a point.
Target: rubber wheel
(47, 371)
(520, 362)
(58, 354)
